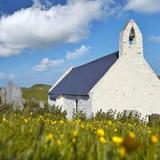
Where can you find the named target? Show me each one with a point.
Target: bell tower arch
(131, 40)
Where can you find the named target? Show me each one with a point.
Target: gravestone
(12, 94)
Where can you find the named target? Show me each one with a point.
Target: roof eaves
(60, 79)
(74, 95)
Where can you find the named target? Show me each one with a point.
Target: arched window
(131, 36)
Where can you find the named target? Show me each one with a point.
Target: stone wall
(124, 46)
(68, 103)
(51, 102)
(130, 84)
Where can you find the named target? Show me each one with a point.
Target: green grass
(38, 91)
(42, 137)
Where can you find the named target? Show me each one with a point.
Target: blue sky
(40, 39)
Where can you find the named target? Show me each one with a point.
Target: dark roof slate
(80, 80)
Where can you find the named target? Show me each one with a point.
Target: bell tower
(131, 40)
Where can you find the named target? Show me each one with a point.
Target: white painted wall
(68, 103)
(51, 102)
(130, 84)
(124, 46)
(85, 106)
(60, 101)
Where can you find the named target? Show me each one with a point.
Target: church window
(131, 36)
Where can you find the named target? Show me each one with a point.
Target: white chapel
(121, 81)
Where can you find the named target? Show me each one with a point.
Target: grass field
(38, 91)
(42, 137)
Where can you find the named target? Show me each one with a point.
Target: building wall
(124, 46)
(60, 101)
(51, 102)
(68, 103)
(85, 106)
(130, 84)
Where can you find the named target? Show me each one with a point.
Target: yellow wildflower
(82, 126)
(102, 140)
(132, 135)
(49, 137)
(149, 131)
(115, 129)
(62, 136)
(109, 122)
(100, 132)
(25, 120)
(61, 122)
(122, 152)
(75, 133)
(154, 139)
(59, 142)
(4, 120)
(117, 140)
(130, 125)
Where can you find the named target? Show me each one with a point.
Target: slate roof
(80, 80)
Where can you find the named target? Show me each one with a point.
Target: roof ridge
(96, 59)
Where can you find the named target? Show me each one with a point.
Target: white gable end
(130, 84)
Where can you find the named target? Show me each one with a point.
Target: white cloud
(37, 27)
(46, 64)
(155, 39)
(144, 6)
(83, 50)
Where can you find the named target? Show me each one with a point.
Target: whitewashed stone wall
(124, 46)
(59, 101)
(51, 102)
(130, 84)
(68, 103)
(85, 106)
